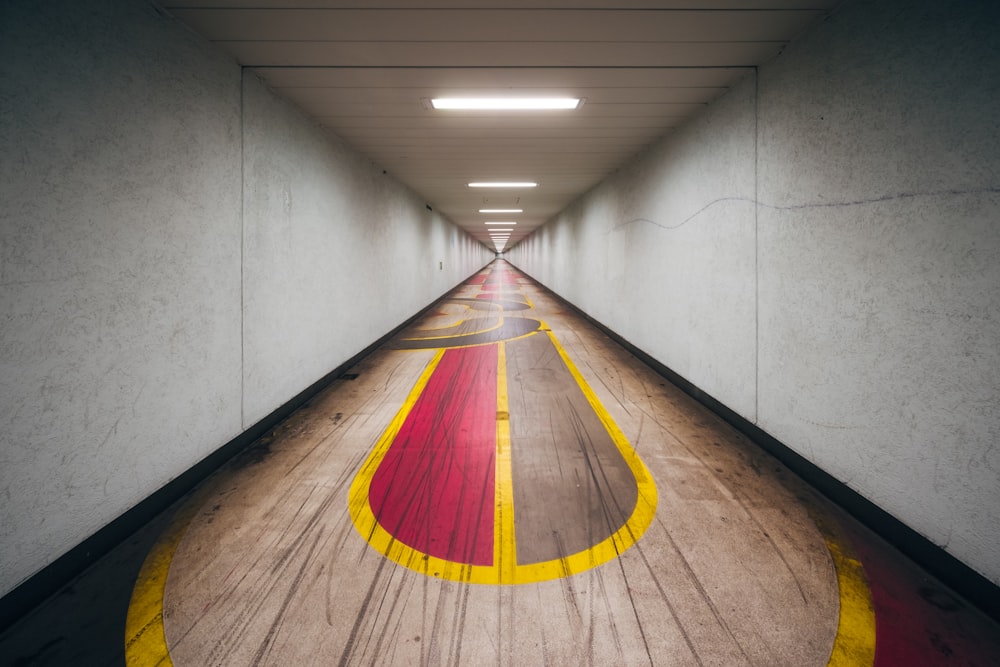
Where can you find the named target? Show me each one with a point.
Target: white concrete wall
(337, 253)
(846, 297)
(153, 305)
(663, 252)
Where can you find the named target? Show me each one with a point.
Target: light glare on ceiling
(503, 184)
(506, 103)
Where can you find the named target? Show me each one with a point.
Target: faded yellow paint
(145, 639)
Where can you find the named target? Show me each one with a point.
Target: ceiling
(365, 73)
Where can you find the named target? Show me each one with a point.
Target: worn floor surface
(503, 485)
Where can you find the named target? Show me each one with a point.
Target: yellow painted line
(647, 498)
(462, 320)
(505, 569)
(459, 347)
(357, 500)
(504, 544)
(145, 640)
(461, 335)
(854, 644)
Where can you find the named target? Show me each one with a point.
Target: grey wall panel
(872, 269)
(119, 267)
(152, 303)
(663, 252)
(337, 253)
(880, 262)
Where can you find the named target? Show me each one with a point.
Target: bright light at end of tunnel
(506, 103)
(503, 184)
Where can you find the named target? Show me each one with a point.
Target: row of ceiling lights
(500, 235)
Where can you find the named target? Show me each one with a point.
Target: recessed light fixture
(503, 184)
(507, 103)
(501, 210)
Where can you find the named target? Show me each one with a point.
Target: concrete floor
(501, 484)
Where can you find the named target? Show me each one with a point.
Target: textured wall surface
(849, 297)
(880, 262)
(122, 271)
(663, 252)
(328, 234)
(119, 267)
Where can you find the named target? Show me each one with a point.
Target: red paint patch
(917, 621)
(434, 490)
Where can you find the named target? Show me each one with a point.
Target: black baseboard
(64, 569)
(955, 574)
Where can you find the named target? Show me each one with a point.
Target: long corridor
(501, 484)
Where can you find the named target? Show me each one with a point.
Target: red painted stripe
(434, 490)
(917, 621)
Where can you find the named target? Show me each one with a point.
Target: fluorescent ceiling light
(506, 103)
(503, 184)
(500, 210)
(499, 223)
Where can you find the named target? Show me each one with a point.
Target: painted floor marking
(145, 639)
(854, 644)
(433, 487)
(504, 555)
(407, 546)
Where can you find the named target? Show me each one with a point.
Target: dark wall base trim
(48, 581)
(964, 580)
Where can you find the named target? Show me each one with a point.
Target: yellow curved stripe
(462, 335)
(505, 569)
(145, 640)
(854, 645)
(450, 325)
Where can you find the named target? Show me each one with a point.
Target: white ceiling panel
(364, 70)
(495, 25)
(456, 76)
